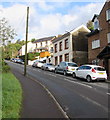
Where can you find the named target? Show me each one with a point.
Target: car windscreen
(72, 65)
(99, 68)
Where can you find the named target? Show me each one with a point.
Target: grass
(11, 96)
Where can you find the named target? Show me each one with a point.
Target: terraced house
(71, 46)
(99, 39)
(44, 46)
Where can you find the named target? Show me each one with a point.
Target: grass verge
(11, 96)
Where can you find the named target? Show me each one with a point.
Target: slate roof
(44, 39)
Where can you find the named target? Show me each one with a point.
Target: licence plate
(101, 73)
(73, 69)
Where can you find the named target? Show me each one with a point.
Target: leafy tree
(32, 40)
(6, 32)
(90, 25)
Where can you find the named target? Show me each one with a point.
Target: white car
(34, 63)
(48, 66)
(91, 72)
(39, 64)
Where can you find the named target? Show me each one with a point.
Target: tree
(6, 32)
(33, 40)
(90, 25)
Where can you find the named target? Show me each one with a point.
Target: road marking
(52, 75)
(94, 102)
(78, 83)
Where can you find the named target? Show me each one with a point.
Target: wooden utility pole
(25, 63)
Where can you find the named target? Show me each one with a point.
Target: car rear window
(49, 64)
(99, 68)
(72, 65)
(41, 62)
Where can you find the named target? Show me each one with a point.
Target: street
(77, 98)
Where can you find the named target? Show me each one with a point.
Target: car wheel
(88, 78)
(74, 75)
(55, 71)
(65, 73)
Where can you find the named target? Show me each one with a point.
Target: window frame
(55, 48)
(95, 44)
(67, 60)
(108, 15)
(108, 37)
(60, 46)
(66, 44)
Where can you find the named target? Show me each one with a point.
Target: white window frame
(108, 37)
(108, 14)
(95, 44)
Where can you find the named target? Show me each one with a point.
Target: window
(72, 64)
(60, 58)
(60, 45)
(55, 48)
(56, 60)
(87, 67)
(95, 44)
(81, 68)
(108, 14)
(108, 37)
(67, 57)
(51, 50)
(66, 44)
(96, 24)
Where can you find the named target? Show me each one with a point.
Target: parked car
(39, 64)
(66, 68)
(48, 66)
(20, 61)
(35, 63)
(91, 72)
(12, 59)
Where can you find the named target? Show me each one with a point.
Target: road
(77, 98)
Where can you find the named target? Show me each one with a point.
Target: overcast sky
(48, 18)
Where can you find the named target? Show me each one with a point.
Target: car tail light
(93, 70)
(67, 67)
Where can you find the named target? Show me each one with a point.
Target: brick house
(99, 39)
(68, 47)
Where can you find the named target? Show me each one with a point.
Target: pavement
(37, 103)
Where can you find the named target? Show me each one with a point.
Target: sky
(48, 18)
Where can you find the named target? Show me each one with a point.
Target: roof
(80, 27)
(91, 65)
(95, 16)
(44, 39)
(61, 37)
(105, 52)
(93, 32)
(83, 27)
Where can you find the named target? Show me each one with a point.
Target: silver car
(66, 68)
(48, 66)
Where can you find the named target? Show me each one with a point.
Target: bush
(5, 67)
(30, 56)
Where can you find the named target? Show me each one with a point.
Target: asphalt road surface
(77, 98)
